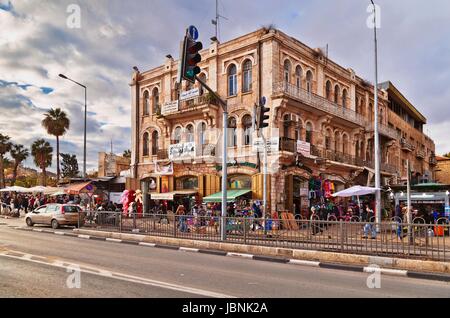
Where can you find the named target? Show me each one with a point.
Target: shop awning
(78, 188)
(231, 195)
(169, 195)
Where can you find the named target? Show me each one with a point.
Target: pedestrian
(369, 227)
(314, 221)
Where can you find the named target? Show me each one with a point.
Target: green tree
(56, 123)
(5, 146)
(42, 153)
(19, 153)
(447, 155)
(69, 166)
(127, 153)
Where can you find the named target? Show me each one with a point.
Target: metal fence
(416, 240)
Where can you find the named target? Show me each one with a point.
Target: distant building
(443, 170)
(111, 165)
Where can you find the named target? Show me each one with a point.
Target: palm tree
(19, 153)
(5, 146)
(56, 123)
(42, 153)
(127, 153)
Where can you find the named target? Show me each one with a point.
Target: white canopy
(355, 191)
(37, 189)
(15, 189)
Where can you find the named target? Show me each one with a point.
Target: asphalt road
(120, 270)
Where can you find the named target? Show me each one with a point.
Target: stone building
(443, 170)
(111, 165)
(321, 121)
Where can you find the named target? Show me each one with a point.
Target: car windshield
(71, 208)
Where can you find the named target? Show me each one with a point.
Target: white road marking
(59, 233)
(304, 263)
(84, 236)
(123, 277)
(37, 230)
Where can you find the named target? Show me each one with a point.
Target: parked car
(56, 215)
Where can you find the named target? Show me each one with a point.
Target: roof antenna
(215, 21)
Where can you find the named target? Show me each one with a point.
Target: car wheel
(29, 222)
(55, 224)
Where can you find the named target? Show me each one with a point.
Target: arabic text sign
(273, 145)
(170, 107)
(180, 151)
(304, 148)
(193, 93)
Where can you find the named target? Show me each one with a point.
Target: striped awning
(232, 195)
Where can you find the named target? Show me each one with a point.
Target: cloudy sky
(36, 45)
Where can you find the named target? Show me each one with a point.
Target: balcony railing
(385, 131)
(349, 159)
(205, 150)
(432, 160)
(319, 103)
(420, 154)
(288, 144)
(163, 154)
(406, 145)
(198, 101)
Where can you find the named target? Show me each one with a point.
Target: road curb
(272, 259)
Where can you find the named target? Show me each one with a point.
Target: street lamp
(85, 116)
(376, 133)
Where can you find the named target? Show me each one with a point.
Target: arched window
(345, 144)
(286, 125)
(247, 124)
(154, 143)
(357, 147)
(247, 77)
(145, 145)
(298, 77)
(190, 133)
(381, 115)
(328, 90)
(232, 137)
(328, 140)
(287, 71)
(337, 140)
(202, 133)
(337, 92)
(358, 109)
(146, 103)
(309, 79)
(370, 114)
(309, 131)
(177, 135)
(155, 100)
(232, 80)
(344, 98)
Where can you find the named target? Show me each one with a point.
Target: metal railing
(288, 144)
(420, 154)
(318, 102)
(205, 150)
(433, 160)
(406, 145)
(346, 234)
(198, 101)
(385, 131)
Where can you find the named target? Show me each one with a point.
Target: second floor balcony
(319, 103)
(406, 146)
(386, 131)
(432, 160)
(420, 154)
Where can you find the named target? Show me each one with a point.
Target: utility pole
(408, 197)
(376, 131)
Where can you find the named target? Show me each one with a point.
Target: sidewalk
(287, 255)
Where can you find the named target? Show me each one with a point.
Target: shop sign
(115, 197)
(180, 151)
(273, 145)
(169, 107)
(193, 93)
(164, 170)
(304, 148)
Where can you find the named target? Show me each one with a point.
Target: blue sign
(447, 211)
(193, 32)
(263, 101)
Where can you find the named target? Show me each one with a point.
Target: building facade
(443, 170)
(111, 165)
(321, 122)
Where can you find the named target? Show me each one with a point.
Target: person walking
(369, 227)
(398, 217)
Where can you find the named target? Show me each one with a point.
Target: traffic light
(190, 58)
(262, 117)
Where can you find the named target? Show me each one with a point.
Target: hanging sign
(169, 107)
(180, 151)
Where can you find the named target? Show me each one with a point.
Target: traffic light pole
(224, 157)
(264, 180)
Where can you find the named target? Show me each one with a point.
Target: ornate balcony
(420, 154)
(432, 161)
(385, 131)
(406, 146)
(319, 103)
(288, 144)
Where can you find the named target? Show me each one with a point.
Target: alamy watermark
(74, 279)
(374, 19)
(73, 20)
(374, 279)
